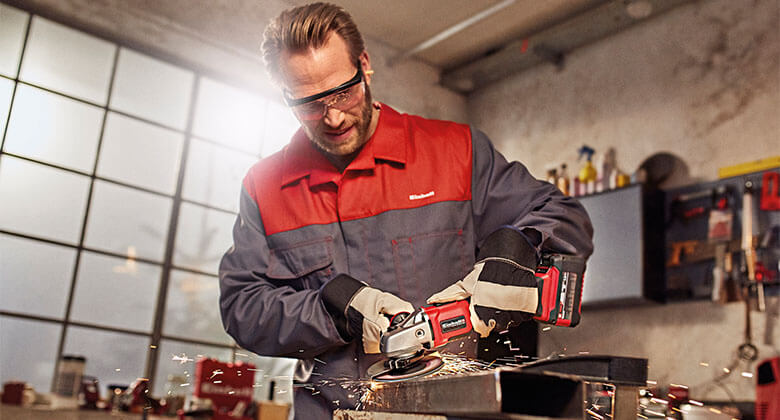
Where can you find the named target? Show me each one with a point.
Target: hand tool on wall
(747, 350)
(770, 196)
(678, 248)
(718, 274)
(720, 223)
(747, 243)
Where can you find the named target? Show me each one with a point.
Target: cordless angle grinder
(412, 337)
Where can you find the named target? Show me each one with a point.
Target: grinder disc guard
(424, 366)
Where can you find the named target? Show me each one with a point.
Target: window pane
(68, 61)
(41, 201)
(114, 292)
(12, 27)
(280, 125)
(29, 287)
(28, 350)
(214, 175)
(229, 116)
(177, 358)
(113, 358)
(152, 89)
(6, 91)
(54, 129)
(202, 236)
(141, 154)
(128, 221)
(192, 308)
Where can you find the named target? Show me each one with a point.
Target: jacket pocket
(303, 261)
(427, 263)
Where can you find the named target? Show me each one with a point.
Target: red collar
(389, 142)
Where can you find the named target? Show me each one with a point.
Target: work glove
(502, 286)
(359, 310)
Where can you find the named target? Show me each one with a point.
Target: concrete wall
(702, 82)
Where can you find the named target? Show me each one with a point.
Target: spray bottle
(588, 172)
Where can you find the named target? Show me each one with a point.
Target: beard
(352, 145)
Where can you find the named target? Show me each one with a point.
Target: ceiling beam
(551, 45)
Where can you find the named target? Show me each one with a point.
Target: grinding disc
(424, 366)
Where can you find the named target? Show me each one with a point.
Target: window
(120, 176)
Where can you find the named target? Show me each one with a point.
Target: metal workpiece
(608, 369)
(495, 394)
(562, 388)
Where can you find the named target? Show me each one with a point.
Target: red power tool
(768, 390)
(411, 337)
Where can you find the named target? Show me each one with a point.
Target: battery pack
(559, 282)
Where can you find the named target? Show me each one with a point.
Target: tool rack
(690, 255)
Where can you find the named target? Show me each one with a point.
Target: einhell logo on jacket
(421, 196)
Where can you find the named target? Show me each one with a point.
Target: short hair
(309, 26)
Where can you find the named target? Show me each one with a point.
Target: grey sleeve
(506, 194)
(268, 318)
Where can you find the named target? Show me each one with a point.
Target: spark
(583, 352)
(652, 382)
(217, 382)
(715, 410)
(241, 354)
(142, 379)
(152, 346)
(694, 402)
(655, 413)
(640, 415)
(546, 328)
(679, 386)
(231, 392)
(747, 374)
(318, 360)
(215, 373)
(117, 370)
(705, 364)
(658, 400)
(185, 384)
(726, 370)
(182, 359)
(594, 414)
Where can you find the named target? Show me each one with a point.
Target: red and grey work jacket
(406, 217)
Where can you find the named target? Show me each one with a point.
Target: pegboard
(696, 224)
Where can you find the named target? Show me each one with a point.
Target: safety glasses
(342, 97)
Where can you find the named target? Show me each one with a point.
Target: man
(368, 212)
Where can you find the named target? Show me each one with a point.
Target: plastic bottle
(606, 171)
(563, 180)
(588, 172)
(552, 176)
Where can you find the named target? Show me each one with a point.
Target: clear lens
(342, 101)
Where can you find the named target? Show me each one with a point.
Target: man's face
(340, 130)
